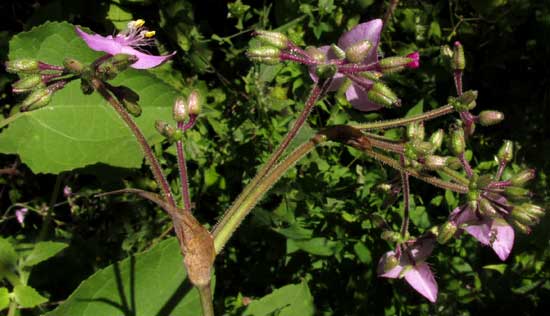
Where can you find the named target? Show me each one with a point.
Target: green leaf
(76, 130)
(27, 297)
(43, 251)
(4, 298)
(496, 267)
(147, 284)
(290, 300)
(416, 109)
(8, 256)
(319, 246)
(362, 252)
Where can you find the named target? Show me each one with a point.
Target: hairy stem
(149, 156)
(389, 12)
(406, 198)
(455, 175)
(444, 110)
(182, 166)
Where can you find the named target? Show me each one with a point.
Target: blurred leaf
(4, 298)
(27, 297)
(43, 251)
(290, 300)
(319, 246)
(496, 267)
(8, 256)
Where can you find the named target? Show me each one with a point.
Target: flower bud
(390, 262)
(276, 39)
(265, 54)
(523, 217)
(423, 148)
(454, 163)
(25, 65)
(132, 107)
(487, 118)
(458, 143)
(337, 51)
(487, 208)
(358, 51)
(437, 139)
(316, 54)
(446, 51)
(458, 61)
(180, 111)
(394, 64)
(506, 152)
(86, 86)
(165, 129)
(519, 226)
(531, 209)
(37, 99)
(109, 68)
(28, 83)
(371, 75)
(325, 71)
(435, 162)
(383, 95)
(391, 236)
(410, 151)
(73, 66)
(415, 131)
(446, 232)
(523, 177)
(415, 60)
(517, 192)
(194, 103)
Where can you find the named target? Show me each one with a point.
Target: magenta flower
(130, 41)
(494, 232)
(20, 215)
(415, 63)
(408, 261)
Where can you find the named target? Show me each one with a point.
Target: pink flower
(20, 215)
(130, 41)
(409, 263)
(415, 63)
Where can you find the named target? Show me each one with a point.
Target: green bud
(180, 111)
(517, 192)
(316, 54)
(276, 39)
(391, 236)
(458, 143)
(410, 151)
(506, 152)
(194, 102)
(390, 263)
(265, 54)
(423, 148)
(487, 118)
(337, 51)
(37, 99)
(132, 107)
(28, 83)
(371, 75)
(357, 52)
(86, 86)
(73, 66)
(532, 209)
(523, 177)
(437, 139)
(446, 51)
(523, 217)
(454, 163)
(458, 61)
(165, 129)
(394, 64)
(108, 69)
(487, 208)
(383, 95)
(520, 226)
(435, 162)
(415, 131)
(468, 99)
(25, 65)
(123, 61)
(325, 71)
(446, 232)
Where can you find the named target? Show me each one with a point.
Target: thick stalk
(182, 166)
(231, 220)
(406, 198)
(205, 294)
(315, 94)
(149, 156)
(444, 110)
(455, 175)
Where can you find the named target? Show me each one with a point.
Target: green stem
(13, 308)
(406, 199)
(149, 156)
(10, 119)
(315, 94)
(49, 212)
(231, 220)
(444, 110)
(205, 294)
(455, 175)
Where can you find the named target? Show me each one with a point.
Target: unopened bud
(165, 129)
(506, 152)
(337, 51)
(435, 162)
(532, 209)
(180, 111)
(357, 52)
(371, 75)
(520, 226)
(390, 263)
(383, 95)
(446, 51)
(454, 163)
(275, 39)
(459, 61)
(28, 83)
(132, 107)
(316, 54)
(517, 193)
(194, 103)
(325, 71)
(390, 236)
(446, 232)
(437, 139)
(423, 148)
(73, 65)
(458, 143)
(523, 177)
(487, 118)
(123, 61)
(37, 99)
(265, 54)
(109, 68)
(487, 208)
(523, 217)
(415, 131)
(394, 64)
(86, 87)
(27, 66)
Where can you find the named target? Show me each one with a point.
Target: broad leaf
(27, 297)
(76, 130)
(290, 300)
(43, 251)
(4, 298)
(8, 256)
(152, 283)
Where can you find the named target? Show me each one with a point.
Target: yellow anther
(139, 23)
(149, 34)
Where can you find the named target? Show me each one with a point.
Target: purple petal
(503, 238)
(145, 61)
(481, 232)
(422, 248)
(369, 31)
(357, 96)
(393, 273)
(338, 78)
(100, 43)
(20, 215)
(415, 63)
(421, 278)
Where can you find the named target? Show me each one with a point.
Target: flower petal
(100, 43)
(338, 78)
(145, 60)
(503, 238)
(369, 31)
(481, 232)
(357, 96)
(421, 278)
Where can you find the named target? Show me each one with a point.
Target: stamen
(149, 34)
(139, 23)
